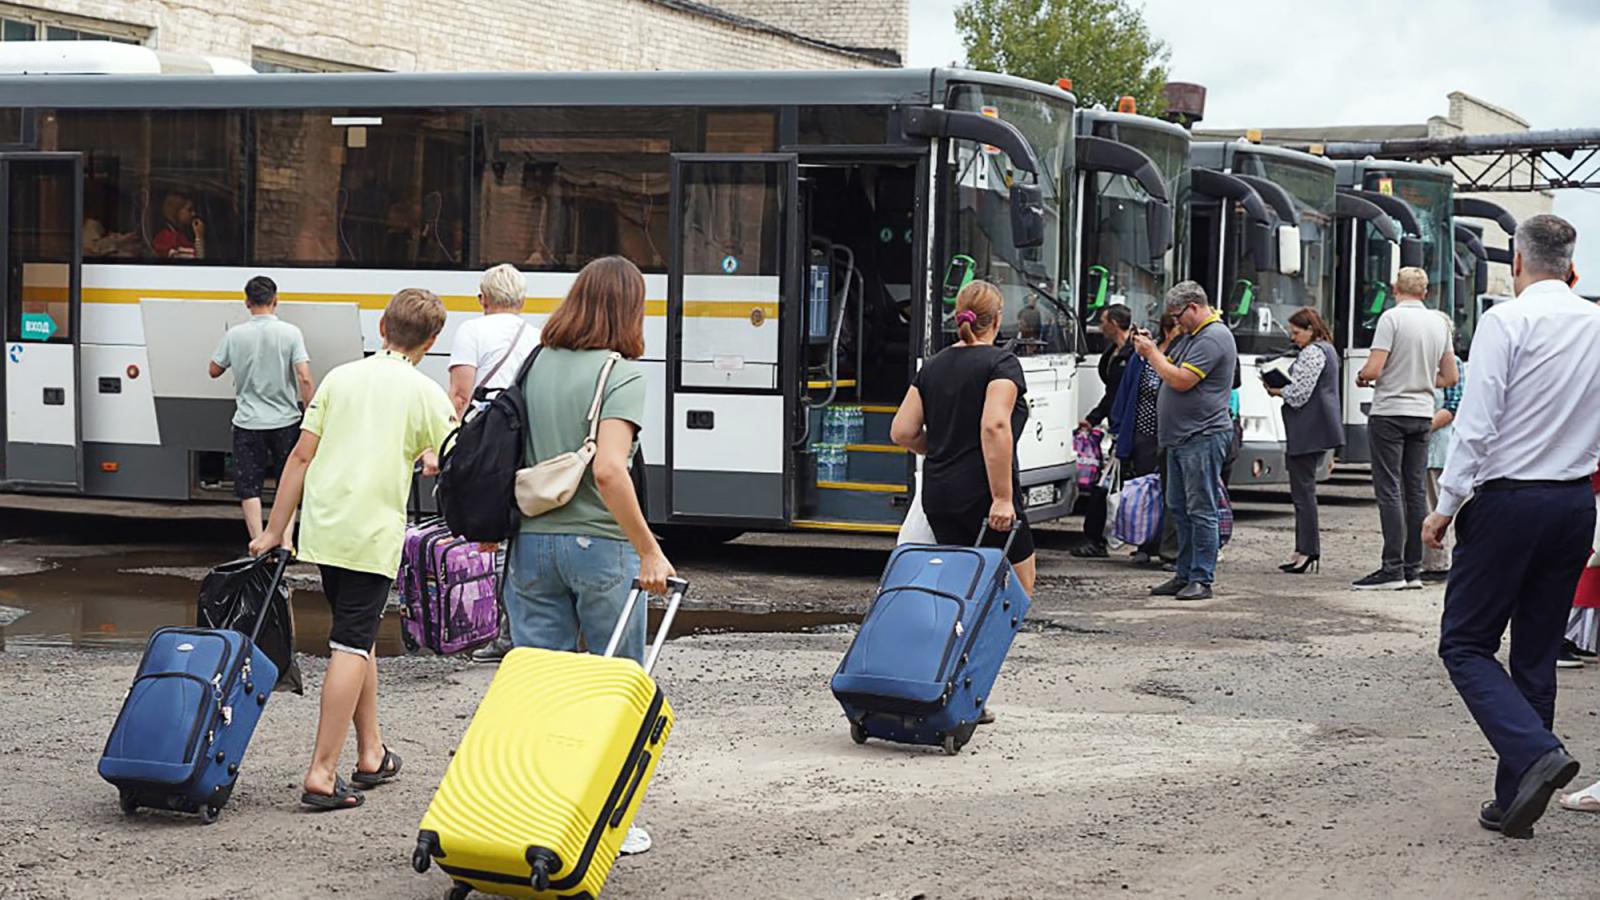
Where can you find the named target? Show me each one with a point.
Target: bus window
(843, 125)
(371, 191)
(741, 132)
(159, 186)
(562, 187)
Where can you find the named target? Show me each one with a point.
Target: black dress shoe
(1195, 590)
(1489, 816)
(1548, 774)
(1169, 588)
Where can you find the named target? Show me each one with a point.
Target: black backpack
(478, 463)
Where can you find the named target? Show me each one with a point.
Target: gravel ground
(1289, 738)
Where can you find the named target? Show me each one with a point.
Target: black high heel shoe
(1309, 564)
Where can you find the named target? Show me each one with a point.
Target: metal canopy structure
(1522, 161)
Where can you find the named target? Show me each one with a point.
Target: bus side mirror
(1410, 251)
(1027, 216)
(1289, 250)
(1158, 228)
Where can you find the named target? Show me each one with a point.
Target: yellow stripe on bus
(692, 309)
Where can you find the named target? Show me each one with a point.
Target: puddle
(116, 601)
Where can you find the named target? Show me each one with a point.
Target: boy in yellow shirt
(362, 434)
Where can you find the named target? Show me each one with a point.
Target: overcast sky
(1346, 62)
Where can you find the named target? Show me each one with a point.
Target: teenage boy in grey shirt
(1411, 355)
(1194, 427)
(272, 382)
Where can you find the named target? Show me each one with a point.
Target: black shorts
(257, 454)
(357, 600)
(962, 531)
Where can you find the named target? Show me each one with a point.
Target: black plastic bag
(233, 594)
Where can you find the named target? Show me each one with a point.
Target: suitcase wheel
(420, 860)
(128, 802)
(209, 814)
(857, 733)
(459, 891)
(951, 745)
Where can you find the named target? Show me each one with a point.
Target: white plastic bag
(916, 529)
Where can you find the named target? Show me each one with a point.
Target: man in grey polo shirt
(1411, 354)
(1195, 429)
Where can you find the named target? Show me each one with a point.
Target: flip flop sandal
(1586, 800)
(343, 797)
(388, 770)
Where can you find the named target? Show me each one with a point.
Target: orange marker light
(1064, 83)
(109, 467)
(1126, 104)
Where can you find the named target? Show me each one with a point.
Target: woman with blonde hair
(572, 566)
(964, 412)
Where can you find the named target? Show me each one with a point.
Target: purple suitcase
(448, 590)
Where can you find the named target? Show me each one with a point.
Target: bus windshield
(1261, 299)
(1117, 268)
(977, 181)
(1430, 199)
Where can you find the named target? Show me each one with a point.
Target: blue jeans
(1194, 469)
(564, 584)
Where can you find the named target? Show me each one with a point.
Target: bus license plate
(1043, 495)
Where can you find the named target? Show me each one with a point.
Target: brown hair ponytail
(978, 309)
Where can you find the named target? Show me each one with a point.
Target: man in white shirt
(1526, 441)
(1411, 355)
(487, 352)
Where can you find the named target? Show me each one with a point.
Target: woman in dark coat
(1314, 426)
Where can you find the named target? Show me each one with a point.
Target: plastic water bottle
(827, 462)
(858, 425)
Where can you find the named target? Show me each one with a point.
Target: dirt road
(1288, 739)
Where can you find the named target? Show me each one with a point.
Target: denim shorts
(566, 586)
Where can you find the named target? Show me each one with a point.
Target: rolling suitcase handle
(284, 558)
(983, 532)
(676, 588)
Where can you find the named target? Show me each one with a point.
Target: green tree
(1104, 46)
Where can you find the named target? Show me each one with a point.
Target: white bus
(1418, 200)
(801, 233)
(1261, 266)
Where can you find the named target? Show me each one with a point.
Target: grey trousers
(1303, 491)
(1400, 481)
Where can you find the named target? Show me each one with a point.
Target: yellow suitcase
(551, 771)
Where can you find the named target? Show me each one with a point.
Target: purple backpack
(1091, 458)
(448, 590)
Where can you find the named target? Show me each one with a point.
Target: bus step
(855, 527)
(862, 487)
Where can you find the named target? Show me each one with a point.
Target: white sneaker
(637, 841)
(1413, 584)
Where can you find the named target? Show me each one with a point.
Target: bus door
(41, 257)
(732, 326)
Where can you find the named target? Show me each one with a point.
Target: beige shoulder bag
(551, 484)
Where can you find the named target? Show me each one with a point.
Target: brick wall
(449, 35)
(875, 24)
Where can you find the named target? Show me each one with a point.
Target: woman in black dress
(964, 412)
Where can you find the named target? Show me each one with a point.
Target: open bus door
(732, 325)
(41, 220)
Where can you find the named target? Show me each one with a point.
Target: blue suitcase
(930, 647)
(187, 719)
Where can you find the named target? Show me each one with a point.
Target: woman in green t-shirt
(572, 567)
